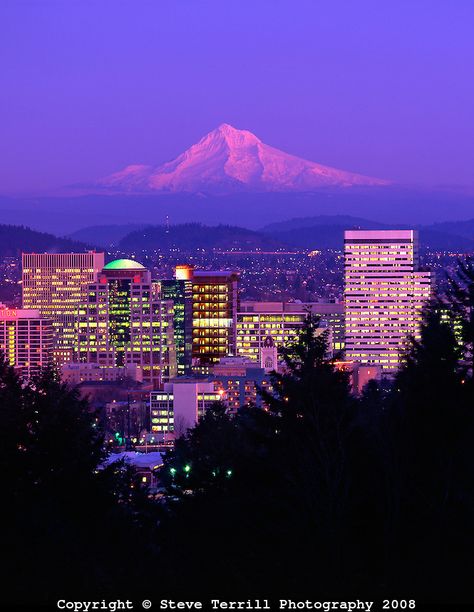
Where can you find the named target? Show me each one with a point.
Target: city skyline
(119, 314)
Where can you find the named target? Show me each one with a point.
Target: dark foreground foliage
(67, 527)
(321, 494)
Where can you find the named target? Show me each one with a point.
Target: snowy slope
(228, 160)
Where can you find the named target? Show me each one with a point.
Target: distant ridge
(229, 160)
(104, 235)
(322, 232)
(194, 236)
(15, 239)
(326, 231)
(347, 221)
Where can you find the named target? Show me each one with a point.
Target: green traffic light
(187, 468)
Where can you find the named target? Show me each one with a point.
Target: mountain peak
(227, 160)
(226, 128)
(233, 136)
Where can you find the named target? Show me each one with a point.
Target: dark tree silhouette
(69, 527)
(273, 484)
(459, 300)
(349, 496)
(428, 437)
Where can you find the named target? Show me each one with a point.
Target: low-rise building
(26, 340)
(256, 321)
(180, 405)
(76, 373)
(146, 465)
(360, 374)
(238, 379)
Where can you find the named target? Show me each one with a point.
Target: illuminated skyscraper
(205, 315)
(385, 292)
(215, 305)
(26, 340)
(124, 321)
(180, 291)
(55, 284)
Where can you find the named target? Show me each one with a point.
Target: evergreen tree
(205, 457)
(272, 483)
(459, 300)
(429, 434)
(69, 526)
(312, 401)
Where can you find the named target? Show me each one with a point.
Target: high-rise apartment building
(55, 284)
(215, 306)
(124, 321)
(26, 340)
(384, 295)
(282, 321)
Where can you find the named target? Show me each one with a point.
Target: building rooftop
(138, 460)
(388, 235)
(223, 273)
(124, 264)
(249, 306)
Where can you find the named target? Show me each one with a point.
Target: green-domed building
(125, 322)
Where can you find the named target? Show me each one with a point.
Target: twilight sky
(384, 88)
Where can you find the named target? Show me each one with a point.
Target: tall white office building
(384, 295)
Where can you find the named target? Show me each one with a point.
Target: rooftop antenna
(167, 223)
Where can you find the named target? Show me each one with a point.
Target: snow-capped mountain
(228, 160)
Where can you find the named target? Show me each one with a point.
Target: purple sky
(381, 88)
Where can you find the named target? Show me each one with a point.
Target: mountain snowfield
(228, 160)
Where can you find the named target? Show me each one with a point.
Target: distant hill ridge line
(15, 239)
(298, 233)
(66, 213)
(304, 231)
(307, 233)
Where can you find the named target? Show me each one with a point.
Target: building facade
(124, 321)
(214, 319)
(281, 321)
(238, 380)
(26, 340)
(359, 374)
(179, 406)
(180, 291)
(55, 284)
(76, 373)
(384, 294)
